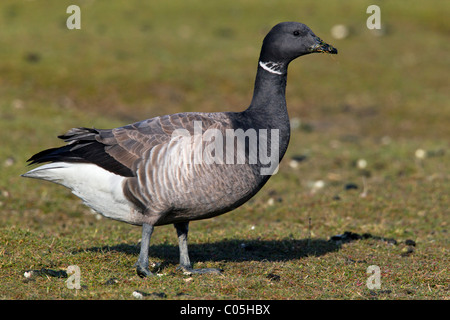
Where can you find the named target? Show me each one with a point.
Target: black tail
(82, 147)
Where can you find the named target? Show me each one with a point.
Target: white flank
(99, 189)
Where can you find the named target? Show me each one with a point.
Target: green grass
(380, 99)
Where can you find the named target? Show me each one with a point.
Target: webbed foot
(143, 272)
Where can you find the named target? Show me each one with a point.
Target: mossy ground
(380, 99)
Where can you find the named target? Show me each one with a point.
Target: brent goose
(177, 168)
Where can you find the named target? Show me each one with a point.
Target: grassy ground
(383, 99)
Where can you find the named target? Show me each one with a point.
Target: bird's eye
(296, 33)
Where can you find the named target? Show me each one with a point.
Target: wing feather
(120, 150)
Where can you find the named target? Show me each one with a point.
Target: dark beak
(321, 46)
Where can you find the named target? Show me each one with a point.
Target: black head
(289, 40)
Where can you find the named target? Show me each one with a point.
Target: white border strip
(270, 66)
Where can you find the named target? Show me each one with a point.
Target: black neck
(269, 93)
(268, 107)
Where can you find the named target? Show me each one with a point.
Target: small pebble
(299, 158)
(340, 31)
(350, 186)
(32, 57)
(140, 294)
(45, 272)
(319, 184)
(111, 281)
(386, 140)
(273, 277)
(9, 161)
(407, 251)
(420, 154)
(18, 104)
(295, 123)
(293, 164)
(361, 164)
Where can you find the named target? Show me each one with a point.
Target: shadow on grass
(232, 250)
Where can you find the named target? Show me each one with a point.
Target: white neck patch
(272, 67)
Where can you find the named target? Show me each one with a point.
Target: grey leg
(185, 264)
(142, 263)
